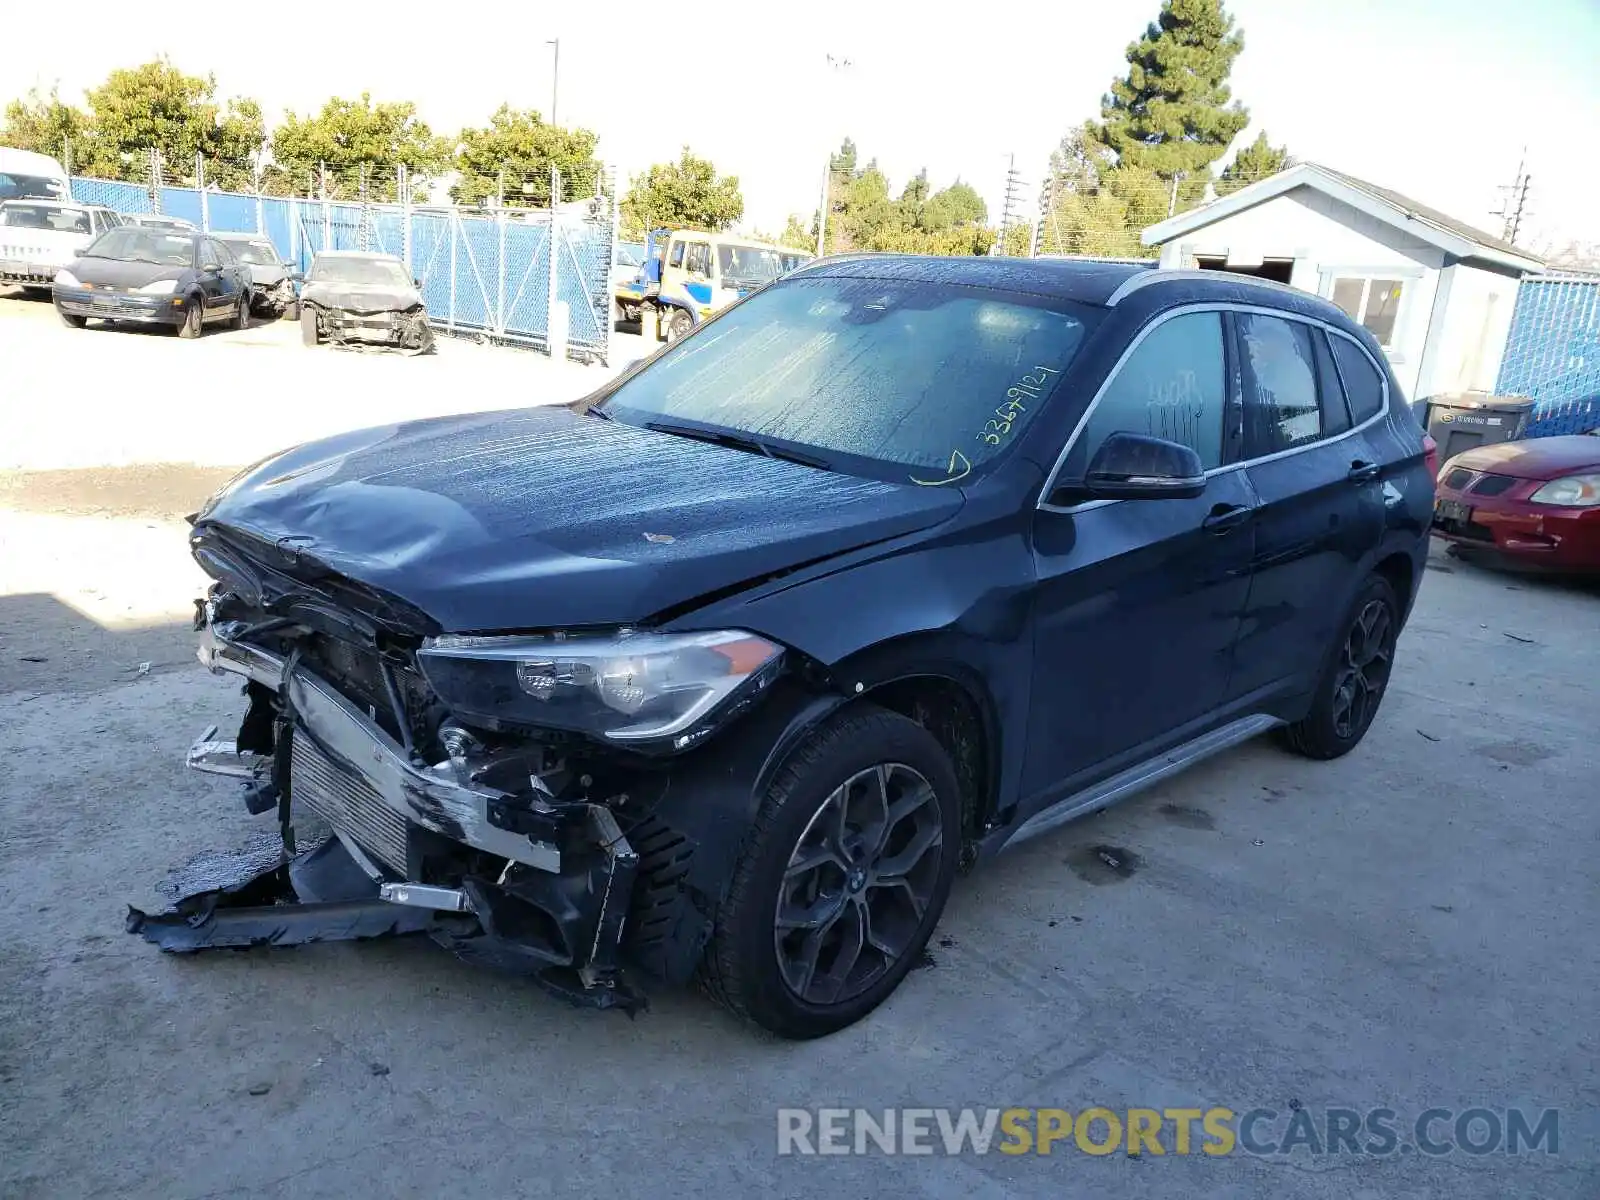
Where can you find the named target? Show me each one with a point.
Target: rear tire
(72, 320)
(194, 319)
(308, 327)
(241, 319)
(1354, 679)
(845, 871)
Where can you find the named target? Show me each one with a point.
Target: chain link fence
(532, 277)
(1553, 353)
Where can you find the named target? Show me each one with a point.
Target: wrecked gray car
(353, 298)
(272, 280)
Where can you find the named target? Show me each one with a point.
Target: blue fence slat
(181, 202)
(229, 212)
(1553, 353)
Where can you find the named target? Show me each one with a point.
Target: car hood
(122, 273)
(1536, 458)
(362, 297)
(266, 275)
(544, 518)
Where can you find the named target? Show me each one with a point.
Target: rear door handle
(1362, 472)
(1224, 517)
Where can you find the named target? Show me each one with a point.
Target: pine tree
(1173, 113)
(1256, 161)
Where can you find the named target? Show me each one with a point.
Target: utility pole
(555, 77)
(1514, 207)
(1013, 194)
(834, 64)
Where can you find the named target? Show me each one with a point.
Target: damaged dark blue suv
(726, 670)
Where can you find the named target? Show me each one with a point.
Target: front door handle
(1224, 517)
(1363, 472)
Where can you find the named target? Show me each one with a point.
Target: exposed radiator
(347, 803)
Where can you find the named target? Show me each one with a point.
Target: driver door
(1138, 603)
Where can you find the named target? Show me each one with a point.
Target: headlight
(66, 278)
(161, 287)
(1575, 491)
(631, 687)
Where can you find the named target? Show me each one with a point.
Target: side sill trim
(1142, 775)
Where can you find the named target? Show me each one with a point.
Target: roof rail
(1161, 274)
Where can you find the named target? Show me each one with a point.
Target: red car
(1536, 502)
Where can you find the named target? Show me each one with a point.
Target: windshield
(753, 263)
(144, 245)
(261, 254)
(630, 254)
(13, 185)
(358, 270)
(44, 216)
(793, 260)
(913, 380)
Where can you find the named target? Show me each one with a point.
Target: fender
(711, 800)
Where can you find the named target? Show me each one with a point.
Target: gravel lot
(1409, 927)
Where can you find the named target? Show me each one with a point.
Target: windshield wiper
(740, 441)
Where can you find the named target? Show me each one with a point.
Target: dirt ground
(1409, 927)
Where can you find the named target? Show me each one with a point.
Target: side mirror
(212, 267)
(1135, 466)
(417, 283)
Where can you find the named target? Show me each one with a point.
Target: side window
(1335, 412)
(677, 255)
(1362, 383)
(1281, 410)
(699, 260)
(1172, 386)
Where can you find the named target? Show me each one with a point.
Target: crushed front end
(395, 328)
(497, 845)
(522, 800)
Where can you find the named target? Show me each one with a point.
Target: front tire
(241, 319)
(1354, 679)
(72, 320)
(194, 319)
(680, 326)
(847, 868)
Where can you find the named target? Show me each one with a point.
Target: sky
(1433, 98)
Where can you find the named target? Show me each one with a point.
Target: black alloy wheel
(858, 883)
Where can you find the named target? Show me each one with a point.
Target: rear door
(1318, 490)
(1137, 602)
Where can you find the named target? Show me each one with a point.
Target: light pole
(834, 64)
(555, 77)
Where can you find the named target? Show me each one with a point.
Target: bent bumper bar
(430, 797)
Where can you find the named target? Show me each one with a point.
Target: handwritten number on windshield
(1028, 388)
(994, 431)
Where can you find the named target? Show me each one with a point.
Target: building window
(1372, 302)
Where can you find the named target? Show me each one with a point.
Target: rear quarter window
(1363, 386)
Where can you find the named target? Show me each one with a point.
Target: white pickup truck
(39, 237)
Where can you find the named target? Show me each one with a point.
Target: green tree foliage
(864, 214)
(358, 141)
(520, 148)
(1173, 112)
(45, 125)
(687, 194)
(1093, 205)
(155, 105)
(1256, 161)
